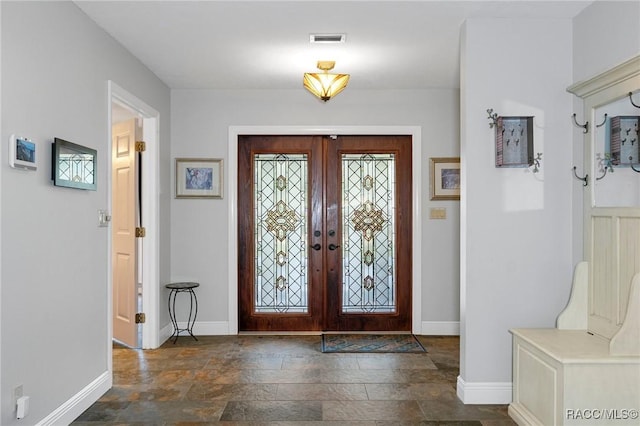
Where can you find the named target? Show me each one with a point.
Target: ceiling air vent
(327, 38)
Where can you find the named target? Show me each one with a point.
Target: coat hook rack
(604, 120)
(631, 100)
(584, 179)
(513, 140)
(585, 126)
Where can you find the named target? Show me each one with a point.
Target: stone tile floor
(286, 380)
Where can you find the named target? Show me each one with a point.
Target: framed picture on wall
(514, 142)
(444, 178)
(198, 178)
(73, 165)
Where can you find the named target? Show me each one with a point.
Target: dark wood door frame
(405, 218)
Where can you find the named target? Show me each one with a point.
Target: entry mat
(371, 343)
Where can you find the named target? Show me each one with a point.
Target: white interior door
(124, 259)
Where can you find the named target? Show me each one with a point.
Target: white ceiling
(265, 44)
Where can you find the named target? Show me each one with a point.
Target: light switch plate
(437, 213)
(103, 218)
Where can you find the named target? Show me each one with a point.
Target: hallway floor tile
(286, 380)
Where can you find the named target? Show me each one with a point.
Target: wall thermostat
(22, 153)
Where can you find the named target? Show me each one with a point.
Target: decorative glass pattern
(76, 167)
(280, 217)
(368, 233)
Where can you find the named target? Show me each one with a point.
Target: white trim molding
(440, 328)
(150, 214)
(200, 328)
(232, 178)
(77, 404)
(165, 333)
(207, 328)
(623, 72)
(484, 392)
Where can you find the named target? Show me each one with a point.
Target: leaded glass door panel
(324, 233)
(279, 273)
(369, 207)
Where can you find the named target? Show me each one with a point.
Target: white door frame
(150, 216)
(232, 178)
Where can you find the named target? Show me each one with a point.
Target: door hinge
(141, 318)
(141, 146)
(141, 232)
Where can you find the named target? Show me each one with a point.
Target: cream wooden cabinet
(587, 370)
(564, 376)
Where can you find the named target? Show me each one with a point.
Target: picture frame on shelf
(444, 178)
(199, 178)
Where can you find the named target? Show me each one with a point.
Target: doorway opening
(325, 233)
(127, 244)
(143, 258)
(414, 132)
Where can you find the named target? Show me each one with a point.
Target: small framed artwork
(444, 182)
(198, 178)
(514, 142)
(22, 153)
(73, 165)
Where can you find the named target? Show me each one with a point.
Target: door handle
(333, 246)
(316, 246)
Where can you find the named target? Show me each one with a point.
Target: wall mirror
(73, 165)
(616, 153)
(611, 199)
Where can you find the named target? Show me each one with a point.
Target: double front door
(324, 233)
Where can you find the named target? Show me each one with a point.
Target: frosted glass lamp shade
(324, 85)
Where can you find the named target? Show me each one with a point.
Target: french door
(324, 233)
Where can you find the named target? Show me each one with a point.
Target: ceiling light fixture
(324, 85)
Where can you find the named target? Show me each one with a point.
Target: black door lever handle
(333, 246)
(316, 246)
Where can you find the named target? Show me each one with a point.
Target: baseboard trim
(202, 328)
(521, 415)
(77, 404)
(210, 328)
(484, 392)
(221, 328)
(440, 328)
(165, 333)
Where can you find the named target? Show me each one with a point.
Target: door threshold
(314, 333)
(366, 332)
(279, 333)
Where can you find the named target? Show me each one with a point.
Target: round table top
(182, 285)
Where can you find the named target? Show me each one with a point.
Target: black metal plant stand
(183, 287)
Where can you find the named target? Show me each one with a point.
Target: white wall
(55, 68)
(200, 123)
(605, 34)
(1, 217)
(516, 259)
